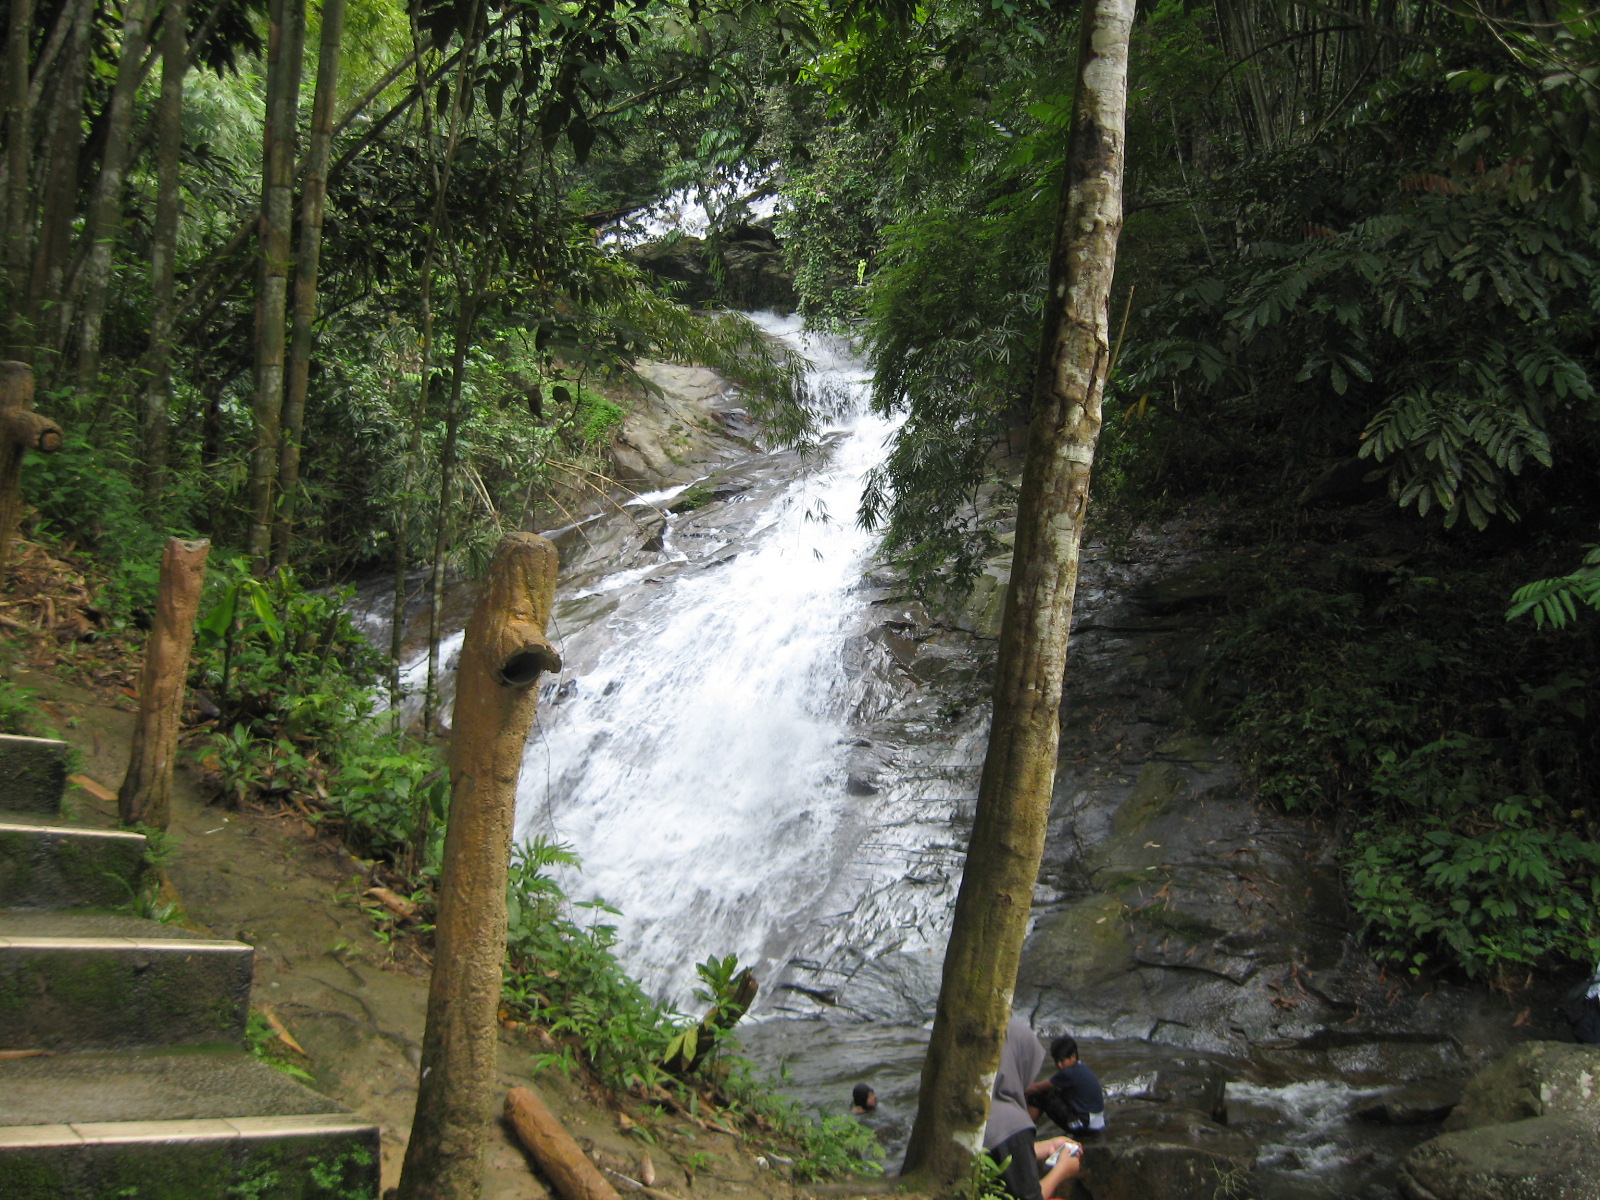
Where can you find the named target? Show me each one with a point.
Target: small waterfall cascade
(695, 760)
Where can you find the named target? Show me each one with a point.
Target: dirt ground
(356, 1005)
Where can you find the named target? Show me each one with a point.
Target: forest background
(325, 286)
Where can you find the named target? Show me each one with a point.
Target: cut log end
(522, 668)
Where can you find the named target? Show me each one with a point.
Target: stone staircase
(143, 1089)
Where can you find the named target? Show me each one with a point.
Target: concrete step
(33, 773)
(97, 981)
(55, 867)
(166, 1125)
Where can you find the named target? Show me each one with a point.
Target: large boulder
(1527, 1128)
(1534, 1079)
(1163, 1152)
(1553, 1157)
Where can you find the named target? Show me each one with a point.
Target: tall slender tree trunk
(19, 149)
(465, 311)
(105, 212)
(313, 203)
(443, 163)
(58, 192)
(164, 249)
(992, 906)
(285, 46)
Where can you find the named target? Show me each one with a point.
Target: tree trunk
(502, 656)
(145, 797)
(312, 204)
(286, 42)
(164, 250)
(447, 481)
(21, 430)
(19, 147)
(442, 164)
(992, 906)
(58, 192)
(105, 212)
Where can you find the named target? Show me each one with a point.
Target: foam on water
(696, 767)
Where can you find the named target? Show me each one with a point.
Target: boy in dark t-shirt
(1072, 1097)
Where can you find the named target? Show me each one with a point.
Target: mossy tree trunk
(502, 657)
(308, 262)
(164, 250)
(105, 209)
(992, 906)
(285, 52)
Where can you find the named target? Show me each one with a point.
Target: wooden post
(21, 430)
(504, 654)
(146, 794)
(561, 1160)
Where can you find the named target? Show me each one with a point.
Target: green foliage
(838, 1145)
(1462, 750)
(986, 1182)
(1489, 884)
(1555, 602)
(562, 974)
(88, 493)
(292, 679)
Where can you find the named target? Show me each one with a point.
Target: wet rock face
(744, 268)
(1175, 908)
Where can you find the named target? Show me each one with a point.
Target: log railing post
(503, 655)
(21, 430)
(146, 794)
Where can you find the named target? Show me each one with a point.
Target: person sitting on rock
(1008, 1138)
(1072, 1097)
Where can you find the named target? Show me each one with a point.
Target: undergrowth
(291, 681)
(563, 977)
(1456, 750)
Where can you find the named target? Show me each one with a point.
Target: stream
(759, 746)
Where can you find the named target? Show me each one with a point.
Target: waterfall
(696, 761)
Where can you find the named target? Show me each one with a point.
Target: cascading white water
(697, 765)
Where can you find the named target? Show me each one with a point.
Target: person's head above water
(863, 1098)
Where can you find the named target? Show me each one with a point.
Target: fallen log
(560, 1159)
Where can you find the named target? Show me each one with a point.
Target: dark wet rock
(1533, 1080)
(1163, 1152)
(1554, 1157)
(1191, 1084)
(746, 258)
(1413, 1104)
(682, 263)
(1197, 586)
(755, 272)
